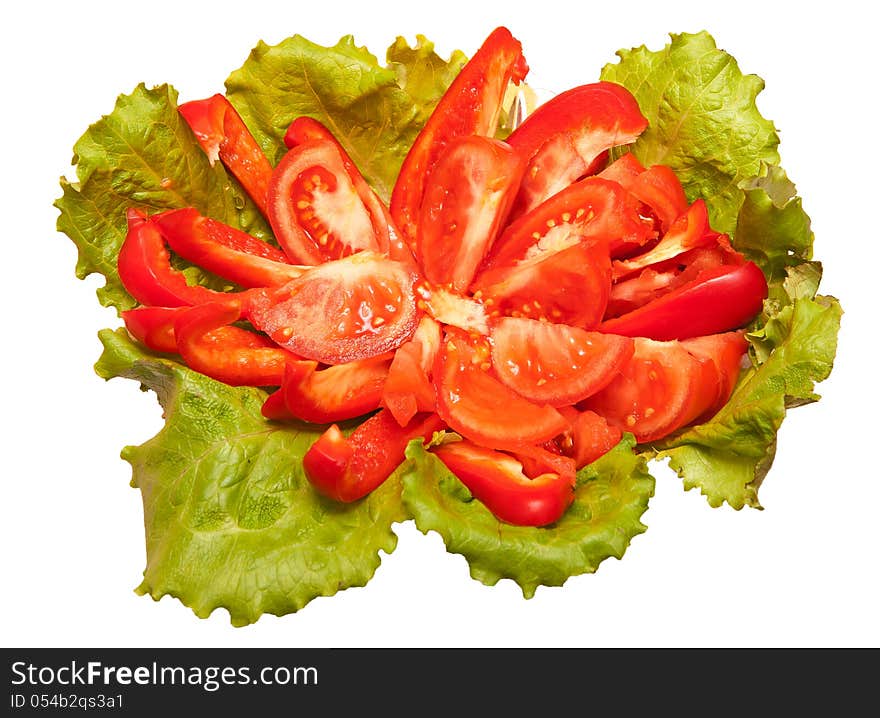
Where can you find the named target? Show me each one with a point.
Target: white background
(803, 572)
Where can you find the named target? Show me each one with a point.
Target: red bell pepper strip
(718, 300)
(471, 106)
(336, 393)
(498, 481)
(226, 353)
(224, 250)
(306, 129)
(153, 326)
(144, 266)
(348, 468)
(566, 137)
(223, 134)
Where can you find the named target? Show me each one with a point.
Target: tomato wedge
(408, 388)
(563, 138)
(223, 134)
(471, 106)
(726, 351)
(662, 388)
(340, 311)
(717, 300)
(348, 468)
(469, 398)
(589, 437)
(224, 250)
(333, 394)
(315, 209)
(499, 482)
(554, 363)
(467, 197)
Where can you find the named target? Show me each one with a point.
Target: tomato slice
(467, 197)
(726, 351)
(223, 134)
(348, 468)
(314, 207)
(499, 482)
(471, 106)
(554, 363)
(408, 388)
(717, 300)
(660, 189)
(623, 170)
(478, 406)
(563, 138)
(333, 394)
(589, 437)
(340, 311)
(593, 207)
(568, 283)
(662, 388)
(224, 250)
(229, 354)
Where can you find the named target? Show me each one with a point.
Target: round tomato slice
(315, 209)
(662, 388)
(340, 311)
(554, 363)
(467, 197)
(478, 406)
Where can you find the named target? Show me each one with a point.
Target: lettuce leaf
(611, 495)
(374, 111)
(231, 521)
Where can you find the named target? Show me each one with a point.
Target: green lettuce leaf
(231, 521)
(142, 155)
(703, 121)
(611, 496)
(375, 112)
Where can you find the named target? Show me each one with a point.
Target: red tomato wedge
(224, 250)
(554, 363)
(471, 106)
(726, 351)
(498, 481)
(623, 170)
(562, 139)
(466, 200)
(222, 134)
(306, 129)
(340, 311)
(408, 388)
(717, 300)
(315, 209)
(589, 437)
(348, 468)
(333, 394)
(567, 283)
(478, 406)
(660, 189)
(233, 355)
(662, 388)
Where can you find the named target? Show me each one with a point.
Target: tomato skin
(466, 200)
(221, 352)
(223, 134)
(144, 267)
(589, 438)
(562, 139)
(348, 468)
(336, 393)
(341, 311)
(470, 106)
(498, 481)
(469, 395)
(726, 351)
(224, 250)
(555, 364)
(717, 300)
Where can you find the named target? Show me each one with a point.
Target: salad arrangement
(362, 297)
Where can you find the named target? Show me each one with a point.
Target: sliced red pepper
(348, 468)
(222, 134)
(307, 129)
(565, 138)
(224, 250)
(718, 300)
(153, 326)
(471, 106)
(229, 354)
(336, 393)
(498, 481)
(144, 266)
